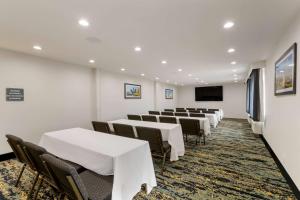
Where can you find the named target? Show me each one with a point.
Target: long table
(129, 160)
(204, 122)
(170, 132)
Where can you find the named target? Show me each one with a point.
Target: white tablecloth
(129, 160)
(204, 122)
(170, 132)
(213, 119)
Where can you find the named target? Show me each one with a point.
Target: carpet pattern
(234, 164)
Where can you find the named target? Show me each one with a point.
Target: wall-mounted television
(212, 93)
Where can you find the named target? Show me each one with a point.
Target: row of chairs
(152, 118)
(213, 111)
(64, 177)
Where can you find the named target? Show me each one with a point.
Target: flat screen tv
(212, 93)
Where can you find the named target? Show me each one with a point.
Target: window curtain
(253, 95)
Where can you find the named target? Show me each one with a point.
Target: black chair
(16, 145)
(149, 118)
(169, 110)
(170, 120)
(183, 114)
(192, 127)
(158, 147)
(194, 111)
(180, 110)
(154, 113)
(124, 130)
(202, 109)
(101, 127)
(167, 113)
(208, 111)
(189, 109)
(213, 109)
(84, 186)
(134, 117)
(197, 115)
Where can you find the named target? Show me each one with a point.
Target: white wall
(57, 96)
(233, 104)
(110, 96)
(282, 129)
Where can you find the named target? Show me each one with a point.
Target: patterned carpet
(234, 164)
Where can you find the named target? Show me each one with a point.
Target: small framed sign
(168, 94)
(14, 94)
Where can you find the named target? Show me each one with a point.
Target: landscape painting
(132, 91)
(285, 72)
(168, 93)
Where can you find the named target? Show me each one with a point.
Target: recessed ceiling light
(83, 22)
(137, 49)
(231, 50)
(142, 74)
(37, 47)
(164, 62)
(92, 61)
(228, 25)
(123, 69)
(189, 75)
(234, 70)
(180, 70)
(233, 63)
(156, 78)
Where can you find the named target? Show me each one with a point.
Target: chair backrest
(16, 145)
(34, 152)
(213, 109)
(208, 111)
(154, 113)
(153, 136)
(180, 110)
(167, 113)
(194, 111)
(184, 114)
(149, 118)
(190, 126)
(101, 127)
(134, 117)
(189, 109)
(202, 109)
(170, 120)
(124, 130)
(197, 115)
(66, 177)
(169, 110)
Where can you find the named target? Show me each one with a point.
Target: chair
(189, 109)
(85, 186)
(194, 111)
(149, 118)
(170, 120)
(213, 109)
(208, 111)
(167, 113)
(101, 127)
(197, 115)
(158, 147)
(183, 114)
(124, 130)
(192, 127)
(202, 109)
(180, 110)
(134, 117)
(169, 110)
(154, 113)
(16, 145)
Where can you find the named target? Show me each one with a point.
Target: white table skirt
(204, 122)
(129, 160)
(170, 132)
(213, 119)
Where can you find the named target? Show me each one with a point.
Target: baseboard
(282, 169)
(7, 156)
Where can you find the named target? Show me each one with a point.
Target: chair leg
(204, 138)
(186, 138)
(38, 189)
(20, 175)
(163, 163)
(33, 185)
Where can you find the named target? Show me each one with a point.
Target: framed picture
(168, 93)
(285, 72)
(132, 91)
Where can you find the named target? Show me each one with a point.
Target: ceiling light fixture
(83, 22)
(164, 62)
(37, 47)
(137, 49)
(231, 50)
(142, 74)
(180, 70)
(123, 69)
(228, 25)
(91, 61)
(233, 63)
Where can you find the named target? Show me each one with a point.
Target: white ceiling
(189, 34)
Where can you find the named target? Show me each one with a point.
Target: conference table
(203, 121)
(170, 132)
(129, 160)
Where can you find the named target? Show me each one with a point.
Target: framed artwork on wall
(132, 91)
(168, 93)
(286, 72)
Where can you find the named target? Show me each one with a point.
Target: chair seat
(166, 146)
(98, 187)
